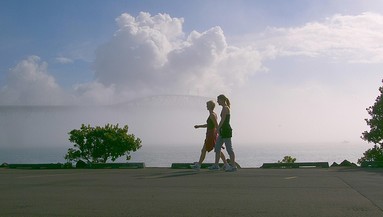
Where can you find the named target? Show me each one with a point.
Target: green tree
(375, 135)
(288, 159)
(99, 144)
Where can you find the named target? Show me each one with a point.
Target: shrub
(99, 144)
(288, 159)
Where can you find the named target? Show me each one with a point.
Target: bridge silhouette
(177, 101)
(140, 102)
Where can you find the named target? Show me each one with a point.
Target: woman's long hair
(223, 97)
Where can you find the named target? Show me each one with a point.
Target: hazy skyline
(295, 71)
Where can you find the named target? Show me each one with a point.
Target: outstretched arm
(200, 126)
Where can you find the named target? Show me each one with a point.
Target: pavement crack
(361, 193)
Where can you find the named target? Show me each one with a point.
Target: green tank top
(226, 131)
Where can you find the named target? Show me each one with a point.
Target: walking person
(224, 135)
(211, 135)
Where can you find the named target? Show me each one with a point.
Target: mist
(159, 120)
(168, 120)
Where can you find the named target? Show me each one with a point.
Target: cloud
(63, 60)
(147, 55)
(29, 83)
(355, 39)
(95, 93)
(151, 54)
(137, 51)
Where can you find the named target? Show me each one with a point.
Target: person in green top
(224, 135)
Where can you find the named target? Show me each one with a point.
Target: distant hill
(158, 101)
(162, 119)
(166, 101)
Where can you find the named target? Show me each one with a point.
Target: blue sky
(286, 64)
(51, 29)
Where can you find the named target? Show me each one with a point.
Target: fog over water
(36, 134)
(159, 120)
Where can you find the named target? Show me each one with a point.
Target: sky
(299, 71)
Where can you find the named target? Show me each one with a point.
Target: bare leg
(223, 158)
(232, 160)
(229, 149)
(203, 155)
(217, 155)
(217, 150)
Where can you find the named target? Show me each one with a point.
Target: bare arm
(213, 117)
(200, 126)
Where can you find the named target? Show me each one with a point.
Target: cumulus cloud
(95, 93)
(151, 54)
(147, 55)
(29, 83)
(355, 39)
(135, 55)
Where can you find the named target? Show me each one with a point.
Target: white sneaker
(214, 167)
(196, 166)
(231, 169)
(225, 167)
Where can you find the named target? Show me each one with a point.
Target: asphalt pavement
(308, 192)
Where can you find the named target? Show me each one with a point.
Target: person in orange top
(211, 135)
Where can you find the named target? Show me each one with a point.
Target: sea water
(247, 155)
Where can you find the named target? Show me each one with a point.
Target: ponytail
(227, 101)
